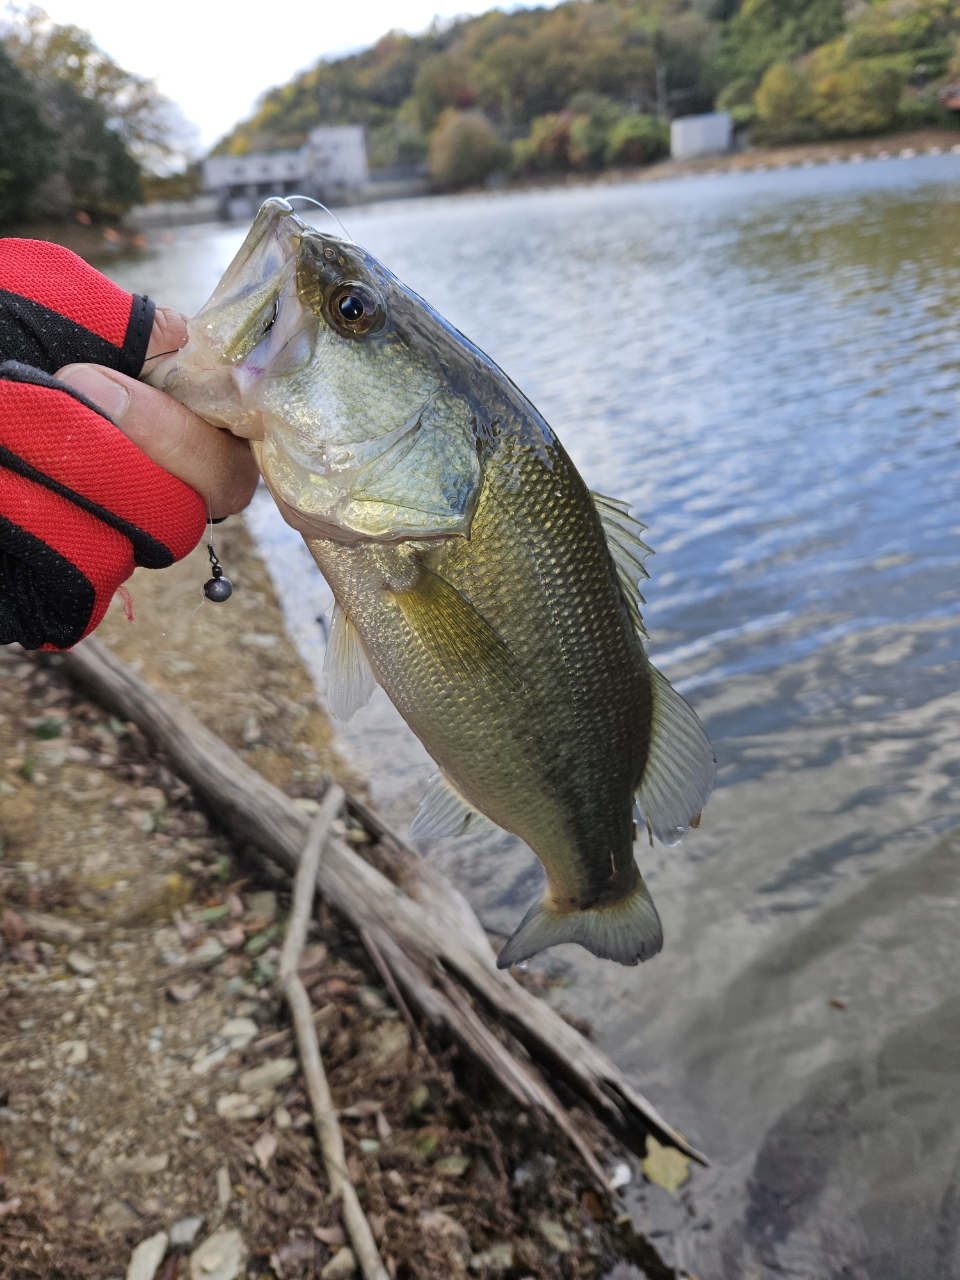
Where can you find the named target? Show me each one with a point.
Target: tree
(27, 143)
(465, 149)
(151, 127)
(637, 139)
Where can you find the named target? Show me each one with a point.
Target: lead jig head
(218, 588)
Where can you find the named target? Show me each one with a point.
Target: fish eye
(351, 308)
(354, 309)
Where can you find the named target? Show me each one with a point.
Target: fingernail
(106, 393)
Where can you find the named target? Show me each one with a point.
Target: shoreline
(151, 1089)
(100, 246)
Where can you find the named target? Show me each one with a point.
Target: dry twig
(324, 1113)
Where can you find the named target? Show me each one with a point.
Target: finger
(169, 334)
(217, 464)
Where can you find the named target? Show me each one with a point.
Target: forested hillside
(77, 132)
(590, 82)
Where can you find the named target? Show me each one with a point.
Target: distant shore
(100, 245)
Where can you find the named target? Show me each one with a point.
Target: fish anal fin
(680, 769)
(444, 812)
(628, 551)
(627, 930)
(456, 632)
(350, 680)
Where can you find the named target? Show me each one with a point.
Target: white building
(338, 156)
(706, 135)
(333, 162)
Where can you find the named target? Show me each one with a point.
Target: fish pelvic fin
(350, 679)
(456, 633)
(627, 930)
(681, 767)
(628, 551)
(444, 812)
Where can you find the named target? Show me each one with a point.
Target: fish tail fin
(627, 930)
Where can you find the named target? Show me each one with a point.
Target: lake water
(768, 368)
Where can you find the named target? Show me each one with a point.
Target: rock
(220, 1257)
(181, 994)
(282, 1118)
(621, 1176)
(205, 1062)
(554, 1235)
(52, 928)
(185, 1231)
(224, 1189)
(454, 1166)
(310, 807)
(118, 1216)
(73, 1052)
(497, 1258)
(340, 1266)
(237, 1106)
(268, 1075)
(140, 1164)
(81, 963)
(258, 640)
(238, 1032)
(146, 1257)
(208, 952)
(261, 905)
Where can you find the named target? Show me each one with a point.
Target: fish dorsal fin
(628, 551)
(456, 633)
(444, 812)
(350, 681)
(680, 768)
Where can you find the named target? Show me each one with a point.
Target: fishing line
(321, 205)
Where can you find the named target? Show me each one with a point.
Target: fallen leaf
(665, 1166)
(12, 927)
(360, 1110)
(331, 1235)
(264, 1149)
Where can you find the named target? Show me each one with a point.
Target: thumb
(218, 465)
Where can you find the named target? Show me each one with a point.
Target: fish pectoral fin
(680, 768)
(350, 680)
(444, 812)
(628, 550)
(456, 633)
(627, 930)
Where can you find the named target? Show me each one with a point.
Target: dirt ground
(149, 1088)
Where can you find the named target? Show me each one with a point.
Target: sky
(214, 59)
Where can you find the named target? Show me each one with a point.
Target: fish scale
(476, 578)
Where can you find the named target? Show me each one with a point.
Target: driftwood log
(423, 932)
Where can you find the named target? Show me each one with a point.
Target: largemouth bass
(476, 577)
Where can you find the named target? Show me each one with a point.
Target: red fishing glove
(80, 504)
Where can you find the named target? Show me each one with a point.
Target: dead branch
(324, 1113)
(421, 925)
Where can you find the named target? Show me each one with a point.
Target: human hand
(99, 473)
(218, 465)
